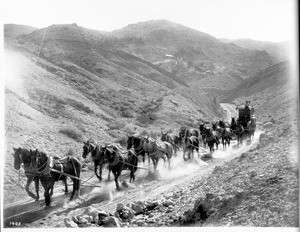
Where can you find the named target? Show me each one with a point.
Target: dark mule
(158, 150)
(251, 126)
(50, 170)
(211, 138)
(226, 137)
(137, 144)
(119, 162)
(188, 132)
(24, 156)
(173, 139)
(239, 132)
(94, 149)
(190, 144)
(201, 129)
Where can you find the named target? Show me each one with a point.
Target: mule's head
(182, 132)
(164, 136)
(129, 142)
(86, 149)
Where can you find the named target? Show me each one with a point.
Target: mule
(158, 150)
(188, 132)
(94, 149)
(190, 144)
(51, 170)
(172, 139)
(211, 138)
(239, 132)
(251, 126)
(226, 137)
(137, 144)
(119, 162)
(22, 155)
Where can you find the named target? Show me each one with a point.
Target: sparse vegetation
(72, 133)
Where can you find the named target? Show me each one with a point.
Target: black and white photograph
(150, 114)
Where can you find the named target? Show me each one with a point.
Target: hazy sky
(267, 20)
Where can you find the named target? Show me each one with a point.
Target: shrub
(127, 114)
(72, 133)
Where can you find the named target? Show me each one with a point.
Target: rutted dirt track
(148, 186)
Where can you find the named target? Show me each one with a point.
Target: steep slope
(278, 51)
(273, 93)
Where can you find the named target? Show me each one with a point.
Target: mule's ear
(15, 149)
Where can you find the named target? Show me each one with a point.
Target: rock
(138, 209)
(69, 223)
(168, 203)
(120, 207)
(268, 125)
(75, 219)
(89, 210)
(151, 205)
(89, 218)
(110, 221)
(103, 213)
(82, 220)
(128, 213)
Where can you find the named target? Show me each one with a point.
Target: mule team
(39, 166)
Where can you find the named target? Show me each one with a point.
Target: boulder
(167, 203)
(69, 223)
(110, 221)
(138, 208)
(128, 213)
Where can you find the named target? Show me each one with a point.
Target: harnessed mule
(174, 140)
(51, 170)
(251, 126)
(158, 150)
(211, 138)
(94, 149)
(190, 144)
(119, 162)
(138, 146)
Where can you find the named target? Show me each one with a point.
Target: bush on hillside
(72, 133)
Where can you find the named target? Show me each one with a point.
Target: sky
(263, 20)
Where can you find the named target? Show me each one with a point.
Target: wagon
(245, 114)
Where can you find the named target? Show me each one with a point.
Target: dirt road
(148, 186)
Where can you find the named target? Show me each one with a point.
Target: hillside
(278, 51)
(190, 54)
(15, 30)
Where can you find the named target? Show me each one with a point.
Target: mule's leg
(64, 180)
(75, 188)
(30, 178)
(109, 171)
(100, 171)
(36, 182)
(116, 174)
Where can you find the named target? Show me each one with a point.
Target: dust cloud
(13, 72)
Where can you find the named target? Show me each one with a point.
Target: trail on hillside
(148, 186)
